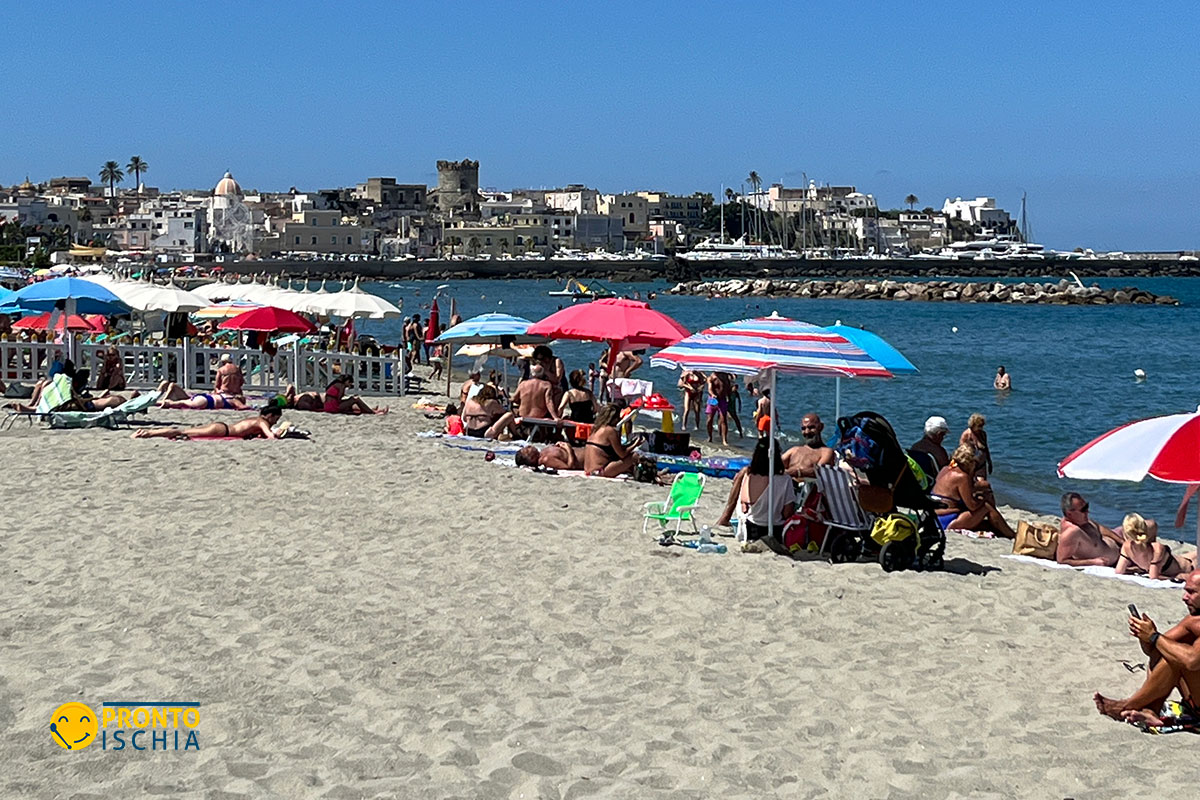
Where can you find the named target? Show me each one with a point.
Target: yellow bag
(892, 528)
(1037, 540)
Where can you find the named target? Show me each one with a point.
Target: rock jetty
(1063, 293)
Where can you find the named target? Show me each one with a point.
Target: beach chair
(108, 418)
(843, 516)
(55, 394)
(680, 504)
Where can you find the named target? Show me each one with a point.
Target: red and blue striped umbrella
(750, 346)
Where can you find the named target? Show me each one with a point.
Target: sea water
(1072, 371)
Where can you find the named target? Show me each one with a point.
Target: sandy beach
(371, 614)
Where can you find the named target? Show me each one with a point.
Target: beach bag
(893, 528)
(804, 532)
(1036, 539)
(645, 471)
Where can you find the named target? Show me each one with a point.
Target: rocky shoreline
(1062, 293)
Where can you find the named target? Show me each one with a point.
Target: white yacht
(715, 250)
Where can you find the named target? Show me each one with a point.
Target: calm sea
(1072, 371)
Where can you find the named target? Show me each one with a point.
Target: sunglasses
(1083, 509)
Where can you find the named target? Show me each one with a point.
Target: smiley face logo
(73, 726)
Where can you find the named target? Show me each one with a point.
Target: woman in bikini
(604, 454)
(250, 428)
(962, 505)
(1143, 553)
(303, 401)
(338, 402)
(579, 400)
(480, 412)
(174, 396)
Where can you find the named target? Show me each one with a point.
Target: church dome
(228, 186)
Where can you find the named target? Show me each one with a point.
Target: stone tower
(458, 187)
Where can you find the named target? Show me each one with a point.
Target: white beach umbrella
(315, 303)
(218, 290)
(354, 302)
(152, 297)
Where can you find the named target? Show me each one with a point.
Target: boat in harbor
(739, 249)
(578, 290)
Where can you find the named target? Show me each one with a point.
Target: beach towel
(1098, 572)
(1177, 717)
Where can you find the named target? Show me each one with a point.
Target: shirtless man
(717, 406)
(762, 413)
(250, 428)
(1082, 542)
(229, 380)
(799, 462)
(533, 398)
(559, 455)
(1002, 381)
(1174, 664)
(628, 362)
(470, 383)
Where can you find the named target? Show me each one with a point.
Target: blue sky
(1090, 108)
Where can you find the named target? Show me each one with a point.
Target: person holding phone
(1174, 664)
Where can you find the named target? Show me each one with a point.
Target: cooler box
(671, 444)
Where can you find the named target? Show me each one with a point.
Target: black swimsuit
(607, 449)
(583, 411)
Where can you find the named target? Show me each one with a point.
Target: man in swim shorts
(1174, 664)
(229, 379)
(717, 407)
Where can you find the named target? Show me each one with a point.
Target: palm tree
(111, 174)
(912, 200)
(137, 167)
(755, 184)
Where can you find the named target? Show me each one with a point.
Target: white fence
(194, 366)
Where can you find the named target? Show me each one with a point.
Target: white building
(574, 200)
(631, 209)
(230, 222)
(313, 230)
(980, 212)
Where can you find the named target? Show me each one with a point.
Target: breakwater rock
(1062, 293)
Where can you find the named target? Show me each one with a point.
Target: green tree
(755, 184)
(111, 174)
(137, 167)
(912, 200)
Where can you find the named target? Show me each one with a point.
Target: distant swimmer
(1003, 380)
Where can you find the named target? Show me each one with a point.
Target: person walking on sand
(717, 406)
(1174, 664)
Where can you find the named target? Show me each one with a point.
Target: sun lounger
(108, 418)
(680, 504)
(55, 394)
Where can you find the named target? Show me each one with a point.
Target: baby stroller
(870, 445)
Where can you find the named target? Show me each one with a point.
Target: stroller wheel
(897, 555)
(845, 548)
(934, 557)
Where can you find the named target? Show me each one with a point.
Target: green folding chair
(680, 504)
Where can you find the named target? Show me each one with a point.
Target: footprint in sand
(538, 764)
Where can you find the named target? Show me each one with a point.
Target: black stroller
(870, 445)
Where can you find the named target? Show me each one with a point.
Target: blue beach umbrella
(497, 329)
(76, 295)
(491, 329)
(7, 306)
(875, 346)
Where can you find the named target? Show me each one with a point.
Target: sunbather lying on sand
(250, 428)
(1174, 664)
(559, 455)
(303, 401)
(175, 396)
(1142, 552)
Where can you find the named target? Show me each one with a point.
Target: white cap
(935, 425)
(226, 357)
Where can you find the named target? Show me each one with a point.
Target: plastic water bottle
(710, 547)
(705, 534)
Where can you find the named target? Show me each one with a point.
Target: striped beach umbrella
(771, 344)
(751, 346)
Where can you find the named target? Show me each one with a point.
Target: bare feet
(1107, 707)
(383, 410)
(1143, 717)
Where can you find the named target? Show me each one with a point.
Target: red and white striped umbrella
(1166, 448)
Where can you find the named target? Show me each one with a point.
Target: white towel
(630, 387)
(1099, 572)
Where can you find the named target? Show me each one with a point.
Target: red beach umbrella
(620, 322)
(431, 328)
(269, 319)
(92, 323)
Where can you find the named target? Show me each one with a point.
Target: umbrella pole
(446, 347)
(771, 466)
(837, 398)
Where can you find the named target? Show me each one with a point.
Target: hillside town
(382, 218)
